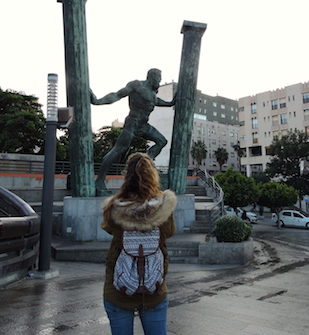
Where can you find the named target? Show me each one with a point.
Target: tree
(275, 196)
(21, 122)
(239, 190)
(198, 152)
(261, 177)
(105, 139)
(221, 156)
(62, 149)
(239, 152)
(287, 153)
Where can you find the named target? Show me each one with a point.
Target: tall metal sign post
(185, 103)
(77, 87)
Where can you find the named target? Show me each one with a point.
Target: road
(268, 297)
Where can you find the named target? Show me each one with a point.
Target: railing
(61, 167)
(214, 190)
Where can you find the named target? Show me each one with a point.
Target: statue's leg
(149, 132)
(122, 144)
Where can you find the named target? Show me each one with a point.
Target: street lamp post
(49, 171)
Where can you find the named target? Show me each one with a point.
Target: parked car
(252, 217)
(293, 218)
(19, 237)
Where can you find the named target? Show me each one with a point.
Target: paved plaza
(268, 297)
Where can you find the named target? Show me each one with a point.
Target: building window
(242, 123)
(263, 103)
(255, 137)
(214, 104)
(253, 108)
(267, 150)
(254, 123)
(305, 98)
(282, 104)
(241, 109)
(294, 113)
(222, 106)
(275, 135)
(214, 113)
(255, 151)
(232, 117)
(275, 120)
(205, 101)
(223, 115)
(274, 104)
(232, 109)
(283, 118)
(306, 114)
(200, 117)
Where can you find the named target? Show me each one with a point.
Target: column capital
(195, 26)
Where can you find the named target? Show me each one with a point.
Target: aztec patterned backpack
(140, 265)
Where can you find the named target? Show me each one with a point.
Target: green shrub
(231, 228)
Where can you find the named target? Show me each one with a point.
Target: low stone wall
(82, 217)
(214, 252)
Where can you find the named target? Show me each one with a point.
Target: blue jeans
(153, 320)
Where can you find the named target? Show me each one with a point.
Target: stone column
(77, 87)
(185, 103)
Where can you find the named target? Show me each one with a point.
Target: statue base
(82, 217)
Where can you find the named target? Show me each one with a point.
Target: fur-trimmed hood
(146, 215)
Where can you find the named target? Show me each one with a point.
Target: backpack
(140, 265)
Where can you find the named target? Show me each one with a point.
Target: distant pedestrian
(140, 218)
(244, 215)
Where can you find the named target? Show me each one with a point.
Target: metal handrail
(212, 188)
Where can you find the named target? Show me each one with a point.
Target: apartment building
(215, 123)
(269, 115)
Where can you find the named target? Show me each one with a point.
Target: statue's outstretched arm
(109, 98)
(162, 103)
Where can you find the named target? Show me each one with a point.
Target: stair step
(37, 206)
(204, 230)
(182, 252)
(196, 190)
(203, 198)
(184, 260)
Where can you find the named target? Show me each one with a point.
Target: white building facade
(221, 131)
(269, 115)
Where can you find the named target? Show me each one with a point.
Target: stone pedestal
(82, 217)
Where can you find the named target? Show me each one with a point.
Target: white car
(289, 217)
(252, 217)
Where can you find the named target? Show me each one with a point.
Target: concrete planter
(214, 252)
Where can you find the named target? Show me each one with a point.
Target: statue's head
(154, 78)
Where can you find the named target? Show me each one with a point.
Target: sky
(249, 46)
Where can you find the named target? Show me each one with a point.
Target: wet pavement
(269, 297)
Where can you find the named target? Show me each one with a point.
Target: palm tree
(221, 156)
(198, 152)
(240, 153)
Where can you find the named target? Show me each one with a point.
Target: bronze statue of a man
(142, 100)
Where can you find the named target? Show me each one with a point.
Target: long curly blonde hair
(141, 181)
